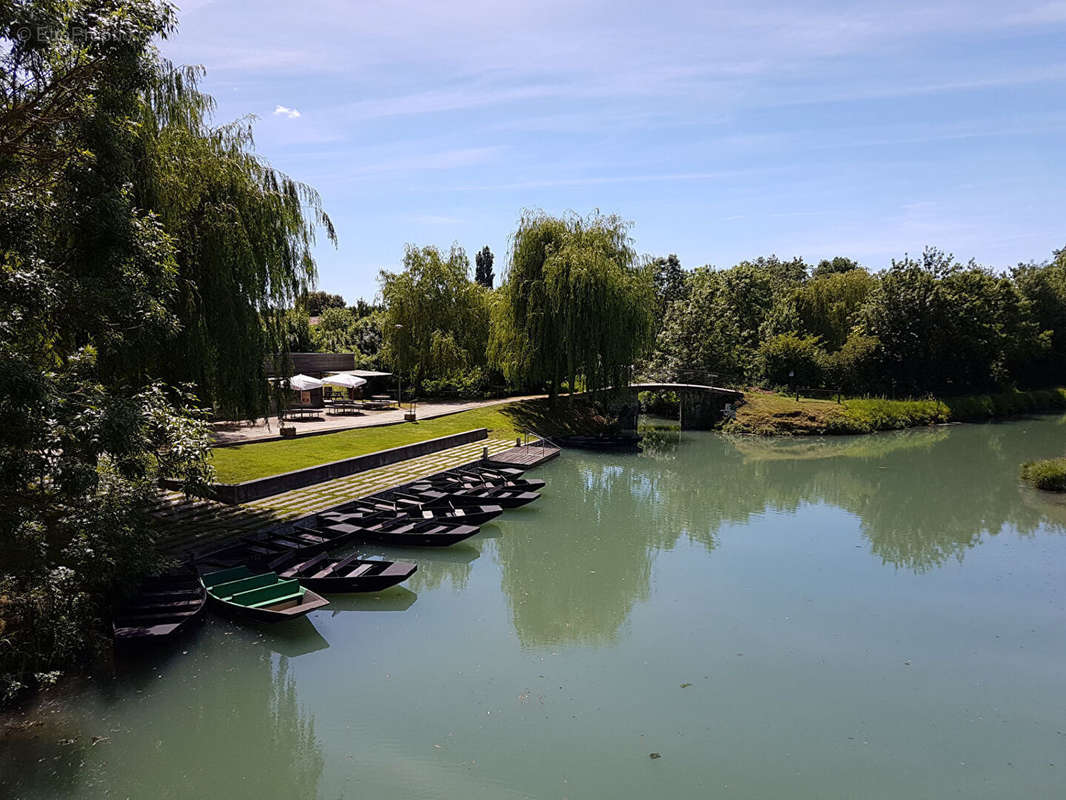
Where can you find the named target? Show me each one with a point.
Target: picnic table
(342, 407)
(379, 401)
(300, 412)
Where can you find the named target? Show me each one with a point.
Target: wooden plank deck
(524, 457)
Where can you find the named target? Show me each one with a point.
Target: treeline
(923, 325)
(576, 308)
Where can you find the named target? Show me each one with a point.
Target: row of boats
(283, 572)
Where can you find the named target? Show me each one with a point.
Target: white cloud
(290, 113)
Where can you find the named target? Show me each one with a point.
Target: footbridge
(701, 406)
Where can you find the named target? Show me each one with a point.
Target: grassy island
(1048, 474)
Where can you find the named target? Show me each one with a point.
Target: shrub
(855, 367)
(1049, 474)
(467, 385)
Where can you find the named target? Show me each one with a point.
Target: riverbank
(510, 420)
(770, 414)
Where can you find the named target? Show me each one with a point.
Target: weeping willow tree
(574, 304)
(436, 320)
(243, 235)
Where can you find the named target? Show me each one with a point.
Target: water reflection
(438, 566)
(573, 574)
(292, 638)
(241, 733)
(396, 598)
(923, 497)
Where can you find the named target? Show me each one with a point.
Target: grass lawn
(249, 461)
(767, 414)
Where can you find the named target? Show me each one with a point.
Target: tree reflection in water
(573, 573)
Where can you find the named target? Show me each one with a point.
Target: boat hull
(162, 609)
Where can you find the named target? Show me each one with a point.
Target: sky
(722, 130)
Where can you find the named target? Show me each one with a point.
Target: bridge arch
(702, 406)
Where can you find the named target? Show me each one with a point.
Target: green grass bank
(249, 461)
(769, 414)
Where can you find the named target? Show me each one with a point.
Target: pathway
(265, 430)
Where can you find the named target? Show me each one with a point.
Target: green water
(872, 617)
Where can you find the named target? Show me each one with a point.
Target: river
(863, 617)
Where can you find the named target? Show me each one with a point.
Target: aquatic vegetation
(1048, 474)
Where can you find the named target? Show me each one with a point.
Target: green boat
(259, 597)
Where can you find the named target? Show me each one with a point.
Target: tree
(317, 302)
(792, 361)
(140, 248)
(948, 328)
(574, 304)
(335, 331)
(827, 306)
(835, 266)
(436, 319)
(1043, 288)
(719, 328)
(88, 283)
(670, 281)
(245, 233)
(484, 274)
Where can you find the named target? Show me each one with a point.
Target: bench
(212, 579)
(278, 592)
(227, 591)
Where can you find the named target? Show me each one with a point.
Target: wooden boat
(487, 475)
(470, 515)
(405, 532)
(163, 607)
(262, 597)
(448, 480)
(500, 496)
(352, 574)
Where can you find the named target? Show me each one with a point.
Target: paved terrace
(267, 429)
(192, 522)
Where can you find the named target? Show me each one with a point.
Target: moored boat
(404, 532)
(260, 597)
(500, 496)
(346, 575)
(469, 515)
(163, 606)
(449, 480)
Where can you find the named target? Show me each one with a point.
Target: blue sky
(722, 130)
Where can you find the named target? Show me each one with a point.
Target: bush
(855, 367)
(1049, 474)
(789, 359)
(471, 384)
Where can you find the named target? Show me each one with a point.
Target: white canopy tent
(345, 379)
(304, 383)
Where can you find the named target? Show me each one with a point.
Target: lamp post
(399, 373)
